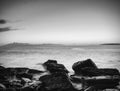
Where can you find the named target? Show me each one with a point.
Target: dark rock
(56, 82)
(99, 72)
(2, 86)
(5, 74)
(82, 64)
(98, 82)
(103, 83)
(50, 61)
(1, 67)
(33, 71)
(10, 89)
(18, 70)
(53, 66)
(25, 75)
(27, 89)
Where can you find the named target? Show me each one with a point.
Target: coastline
(56, 75)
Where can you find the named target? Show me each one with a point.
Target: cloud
(5, 29)
(2, 21)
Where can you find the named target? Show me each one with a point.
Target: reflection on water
(102, 55)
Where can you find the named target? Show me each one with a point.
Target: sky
(60, 21)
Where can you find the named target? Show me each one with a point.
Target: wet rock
(50, 61)
(1, 67)
(2, 86)
(5, 74)
(56, 82)
(53, 66)
(78, 66)
(24, 75)
(10, 89)
(34, 71)
(25, 80)
(99, 72)
(18, 70)
(2, 70)
(27, 89)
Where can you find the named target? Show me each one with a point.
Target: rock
(18, 70)
(82, 64)
(1, 67)
(53, 66)
(26, 80)
(99, 82)
(9, 72)
(34, 71)
(103, 83)
(27, 89)
(10, 89)
(24, 75)
(87, 71)
(2, 86)
(56, 82)
(50, 61)
(5, 74)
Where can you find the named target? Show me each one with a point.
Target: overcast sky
(60, 21)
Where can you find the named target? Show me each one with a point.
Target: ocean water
(104, 56)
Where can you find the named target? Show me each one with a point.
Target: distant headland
(111, 44)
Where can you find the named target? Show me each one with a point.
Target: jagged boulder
(89, 68)
(34, 71)
(24, 75)
(19, 70)
(50, 61)
(1, 67)
(56, 82)
(2, 76)
(78, 66)
(53, 66)
(2, 87)
(87, 71)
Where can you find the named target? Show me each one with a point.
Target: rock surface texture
(87, 77)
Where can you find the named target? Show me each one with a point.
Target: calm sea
(105, 56)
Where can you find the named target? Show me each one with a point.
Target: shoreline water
(105, 56)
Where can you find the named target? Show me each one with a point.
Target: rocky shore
(87, 77)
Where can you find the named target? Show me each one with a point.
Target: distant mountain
(15, 44)
(111, 44)
(29, 45)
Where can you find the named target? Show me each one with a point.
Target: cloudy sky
(60, 21)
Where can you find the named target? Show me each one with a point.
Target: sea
(32, 56)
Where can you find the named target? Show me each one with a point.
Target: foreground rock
(78, 66)
(87, 77)
(56, 82)
(89, 68)
(54, 79)
(58, 79)
(87, 73)
(18, 79)
(52, 66)
(99, 72)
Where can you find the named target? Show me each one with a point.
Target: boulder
(2, 87)
(5, 74)
(1, 67)
(50, 61)
(34, 71)
(52, 66)
(27, 89)
(87, 71)
(56, 82)
(78, 66)
(18, 70)
(24, 75)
